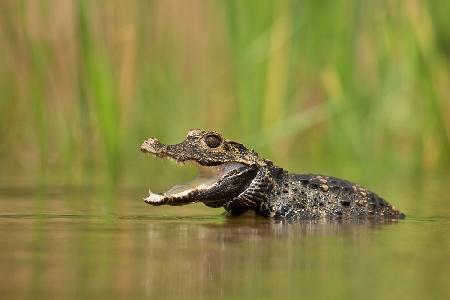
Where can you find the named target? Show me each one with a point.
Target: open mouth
(208, 177)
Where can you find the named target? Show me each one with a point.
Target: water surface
(61, 243)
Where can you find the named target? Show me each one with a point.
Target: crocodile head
(226, 168)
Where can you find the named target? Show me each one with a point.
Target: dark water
(72, 244)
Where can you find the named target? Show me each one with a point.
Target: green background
(357, 89)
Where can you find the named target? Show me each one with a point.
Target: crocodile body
(237, 179)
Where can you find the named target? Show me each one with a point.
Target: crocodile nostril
(149, 145)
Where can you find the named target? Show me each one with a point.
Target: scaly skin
(254, 183)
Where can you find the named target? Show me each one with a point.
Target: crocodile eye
(212, 140)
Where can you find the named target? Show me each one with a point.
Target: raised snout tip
(150, 145)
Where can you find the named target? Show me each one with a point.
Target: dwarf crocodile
(239, 180)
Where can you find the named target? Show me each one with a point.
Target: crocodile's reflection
(246, 228)
(214, 252)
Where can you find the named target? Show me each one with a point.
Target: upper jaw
(177, 152)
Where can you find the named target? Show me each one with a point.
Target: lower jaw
(208, 176)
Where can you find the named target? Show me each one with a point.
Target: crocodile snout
(151, 145)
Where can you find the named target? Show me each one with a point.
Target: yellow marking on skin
(364, 194)
(361, 202)
(322, 180)
(324, 187)
(354, 188)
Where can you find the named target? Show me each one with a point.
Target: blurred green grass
(353, 88)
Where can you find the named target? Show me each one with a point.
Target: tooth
(154, 198)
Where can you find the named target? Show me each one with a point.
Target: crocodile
(239, 180)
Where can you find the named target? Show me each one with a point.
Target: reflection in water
(64, 248)
(247, 255)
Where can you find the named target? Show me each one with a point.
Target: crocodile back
(312, 196)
